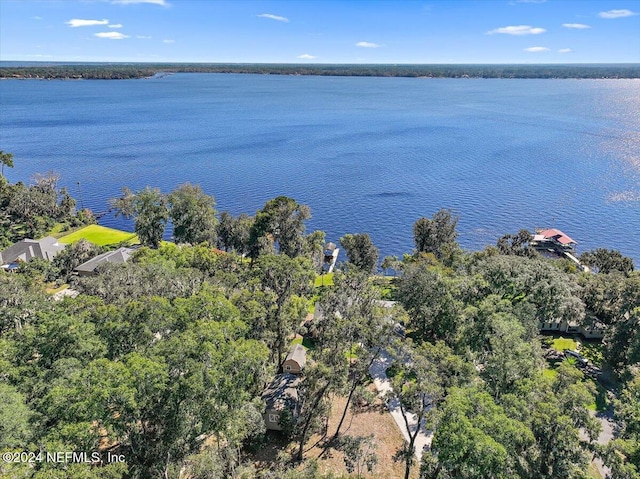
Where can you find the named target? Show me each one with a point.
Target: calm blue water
(366, 154)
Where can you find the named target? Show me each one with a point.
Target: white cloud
(116, 25)
(536, 49)
(518, 30)
(130, 2)
(37, 18)
(367, 45)
(565, 50)
(306, 56)
(617, 13)
(274, 17)
(143, 37)
(579, 26)
(527, 1)
(111, 35)
(168, 41)
(78, 22)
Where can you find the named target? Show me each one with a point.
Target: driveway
(378, 371)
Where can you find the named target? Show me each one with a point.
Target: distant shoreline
(71, 71)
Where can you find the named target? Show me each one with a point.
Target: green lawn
(56, 230)
(306, 342)
(100, 235)
(323, 280)
(560, 344)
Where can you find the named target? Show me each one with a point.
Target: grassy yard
(100, 235)
(306, 342)
(560, 344)
(323, 280)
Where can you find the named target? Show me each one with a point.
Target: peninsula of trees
(161, 361)
(107, 71)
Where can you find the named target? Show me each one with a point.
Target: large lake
(366, 154)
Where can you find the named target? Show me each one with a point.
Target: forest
(119, 71)
(156, 368)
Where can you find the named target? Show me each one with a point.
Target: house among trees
(28, 249)
(282, 402)
(119, 256)
(295, 360)
(593, 329)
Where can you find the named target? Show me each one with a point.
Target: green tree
(192, 214)
(359, 454)
(429, 296)
(517, 244)
(15, 418)
(361, 252)
(280, 222)
(437, 235)
(607, 261)
(352, 323)
(283, 280)
(71, 257)
(148, 208)
(475, 439)
(6, 159)
(622, 455)
(417, 389)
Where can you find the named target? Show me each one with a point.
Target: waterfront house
(282, 402)
(28, 249)
(553, 239)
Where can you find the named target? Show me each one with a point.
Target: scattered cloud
(518, 30)
(78, 22)
(36, 18)
(536, 49)
(579, 26)
(116, 25)
(274, 17)
(168, 41)
(367, 45)
(143, 37)
(131, 2)
(565, 50)
(111, 35)
(306, 56)
(515, 2)
(617, 13)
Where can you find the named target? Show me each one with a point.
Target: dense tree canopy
(361, 252)
(163, 359)
(192, 214)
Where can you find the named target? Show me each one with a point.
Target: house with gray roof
(119, 256)
(28, 249)
(295, 360)
(281, 398)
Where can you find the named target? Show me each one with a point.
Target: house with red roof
(553, 239)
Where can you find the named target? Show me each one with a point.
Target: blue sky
(436, 31)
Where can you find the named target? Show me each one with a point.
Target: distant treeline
(128, 71)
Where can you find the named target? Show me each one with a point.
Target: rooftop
(282, 392)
